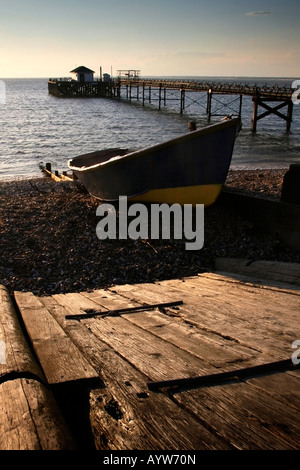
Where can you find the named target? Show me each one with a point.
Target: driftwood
(30, 418)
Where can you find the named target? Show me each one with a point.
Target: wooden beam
(17, 359)
(56, 176)
(271, 110)
(30, 418)
(276, 217)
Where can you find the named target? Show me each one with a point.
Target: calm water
(37, 127)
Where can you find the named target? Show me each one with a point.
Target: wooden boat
(189, 169)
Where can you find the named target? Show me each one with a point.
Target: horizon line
(169, 76)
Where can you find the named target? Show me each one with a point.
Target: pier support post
(117, 89)
(208, 105)
(289, 116)
(254, 114)
(241, 104)
(182, 100)
(159, 96)
(143, 93)
(257, 101)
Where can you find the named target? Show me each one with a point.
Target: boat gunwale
(138, 153)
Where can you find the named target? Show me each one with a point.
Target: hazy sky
(48, 38)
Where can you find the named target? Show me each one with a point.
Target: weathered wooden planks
(247, 315)
(18, 358)
(284, 273)
(125, 415)
(245, 416)
(133, 343)
(30, 418)
(170, 327)
(59, 357)
(225, 323)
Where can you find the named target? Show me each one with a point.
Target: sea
(37, 128)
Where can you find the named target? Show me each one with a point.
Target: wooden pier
(132, 87)
(212, 367)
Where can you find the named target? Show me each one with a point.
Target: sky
(230, 38)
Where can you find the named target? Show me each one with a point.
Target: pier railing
(73, 89)
(273, 91)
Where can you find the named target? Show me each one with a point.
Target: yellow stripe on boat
(201, 194)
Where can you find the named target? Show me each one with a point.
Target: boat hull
(190, 169)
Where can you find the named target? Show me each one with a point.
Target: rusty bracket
(219, 378)
(90, 313)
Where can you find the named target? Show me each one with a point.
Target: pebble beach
(49, 243)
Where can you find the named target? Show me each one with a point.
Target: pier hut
(84, 85)
(83, 74)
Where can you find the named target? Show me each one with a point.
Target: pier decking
(149, 372)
